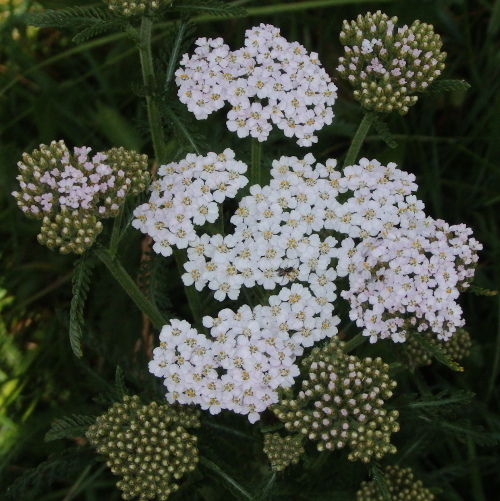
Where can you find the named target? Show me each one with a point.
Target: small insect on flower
(290, 272)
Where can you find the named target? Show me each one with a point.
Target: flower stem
(255, 167)
(130, 287)
(158, 139)
(358, 139)
(148, 77)
(353, 343)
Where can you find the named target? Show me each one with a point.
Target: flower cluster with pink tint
(268, 81)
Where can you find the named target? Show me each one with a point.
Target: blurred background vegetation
(52, 89)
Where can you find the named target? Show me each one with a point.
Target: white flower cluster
(66, 186)
(275, 239)
(250, 355)
(410, 280)
(187, 194)
(404, 270)
(268, 81)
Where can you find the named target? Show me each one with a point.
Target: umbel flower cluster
(147, 446)
(248, 356)
(72, 192)
(187, 194)
(404, 272)
(341, 403)
(282, 451)
(387, 65)
(401, 485)
(268, 81)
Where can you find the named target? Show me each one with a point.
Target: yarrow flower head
(341, 403)
(405, 270)
(268, 81)
(276, 239)
(387, 65)
(401, 485)
(186, 195)
(248, 356)
(410, 280)
(282, 451)
(147, 446)
(72, 192)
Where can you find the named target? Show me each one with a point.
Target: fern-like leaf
(67, 463)
(379, 479)
(447, 85)
(442, 399)
(97, 28)
(209, 7)
(66, 18)
(383, 131)
(464, 430)
(479, 291)
(176, 43)
(81, 282)
(190, 140)
(154, 282)
(69, 427)
(121, 387)
(90, 20)
(439, 354)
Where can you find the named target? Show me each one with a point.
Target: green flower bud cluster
(341, 403)
(387, 65)
(457, 348)
(72, 192)
(131, 8)
(282, 451)
(401, 486)
(147, 446)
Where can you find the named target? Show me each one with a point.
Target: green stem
(130, 287)
(148, 76)
(318, 463)
(475, 475)
(228, 479)
(363, 129)
(353, 343)
(159, 143)
(255, 167)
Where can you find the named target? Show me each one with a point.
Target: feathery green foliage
(179, 125)
(81, 284)
(439, 354)
(60, 466)
(377, 475)
(89, 21)
(480, 291)
(69, 427)
(383, 131)
(448, 85)
(210, 7)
